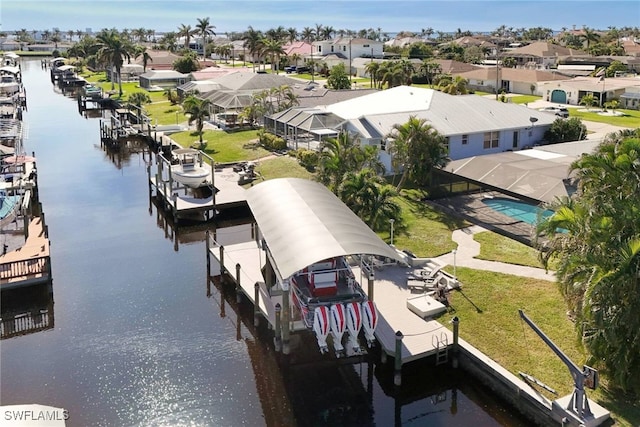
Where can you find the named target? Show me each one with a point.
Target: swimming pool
(517, 210)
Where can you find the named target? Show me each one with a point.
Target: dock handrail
(24, 268)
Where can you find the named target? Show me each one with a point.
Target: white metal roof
(303, 222)
(448, 114)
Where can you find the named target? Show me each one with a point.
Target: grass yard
(165, 113)
(422, 230)
(495, 247)
(225, 147)
(631, 118)
(488, 307)
(524, 99)
(282, 167)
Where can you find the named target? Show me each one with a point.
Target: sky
(389, 15)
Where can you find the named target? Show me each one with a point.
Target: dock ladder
(441, 345)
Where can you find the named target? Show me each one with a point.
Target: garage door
(559, 96)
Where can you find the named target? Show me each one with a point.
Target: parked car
(303, 70)
(290, 69)
(558, 111)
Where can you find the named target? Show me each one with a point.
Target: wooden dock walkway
(421, 337)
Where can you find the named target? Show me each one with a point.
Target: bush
(307, 158)
(271, 142)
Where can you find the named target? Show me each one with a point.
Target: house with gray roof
(473, 125)
(162, 79)
(540, 54)
(511, 80)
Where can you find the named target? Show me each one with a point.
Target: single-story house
(128, 73)
(512, 80)
(473, 125)
(160, 59)
(162, 79)
(541, 54)
(571, 91)
(630, 99)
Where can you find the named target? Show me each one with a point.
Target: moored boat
(331, 301)
(189, 168)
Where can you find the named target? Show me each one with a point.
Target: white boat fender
(354, 323)
(338, 326)
(369, 321)
(321, 325)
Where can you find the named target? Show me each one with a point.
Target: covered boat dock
(300, 222)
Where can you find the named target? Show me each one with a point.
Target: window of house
(383, 145)
(446, 144)
(331, 48)
(491, 140)
(365, 45)
(465, 139)
(344, 48)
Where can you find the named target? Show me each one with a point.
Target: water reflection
(26, 310)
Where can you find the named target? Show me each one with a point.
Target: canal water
(138, 339)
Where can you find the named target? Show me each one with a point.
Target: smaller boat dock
(190, 185)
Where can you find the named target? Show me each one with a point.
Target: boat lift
(578, 403)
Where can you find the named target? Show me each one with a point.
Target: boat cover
(303, 223)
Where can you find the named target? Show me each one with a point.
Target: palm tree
(112, 51)
(292, 34)
(455, 86)
(595, 238)
(199, 111)
(308, 34)
(372, 69)
(588, 100)
(137, 100)
(252, 39)
(273, 48)
(205, 29)
(146, 58)
(416, 148)
(589, 36)
(187, 32)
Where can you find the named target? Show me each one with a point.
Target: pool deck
(471, 208)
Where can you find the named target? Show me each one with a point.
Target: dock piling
(397, 371)
(256, 305)
(285, 320)
(456, 322)
(278, 338)
(370, 287)
(222, 269)
(238, 288)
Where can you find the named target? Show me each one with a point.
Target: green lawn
(422, 230)
(524, 99)
(495, 247)
(225, 147)
(488, 307)
(282, 167)
(165, 113)
(630, 119)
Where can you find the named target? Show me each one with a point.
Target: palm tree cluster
(198, 110)
(595, 238)
(351, 171)
(417, 149)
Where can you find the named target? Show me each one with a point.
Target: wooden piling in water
(238, 288)
(256, 304)
(397, 369)
(278, 327)
(456, 322)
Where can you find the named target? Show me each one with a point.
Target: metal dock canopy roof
(303, 223)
